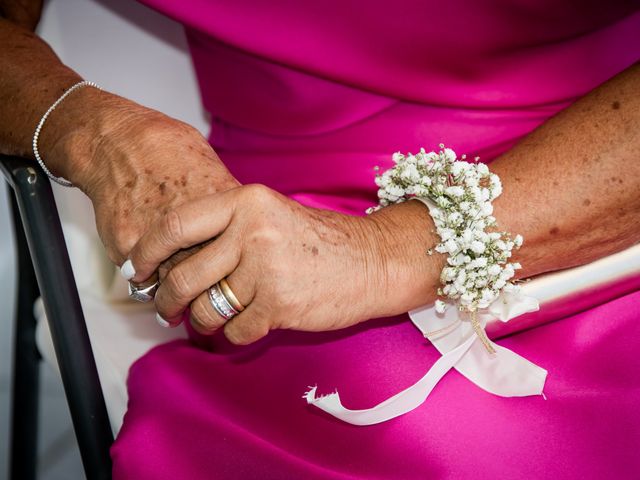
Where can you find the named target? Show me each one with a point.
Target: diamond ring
(220, 303)
(143, 294)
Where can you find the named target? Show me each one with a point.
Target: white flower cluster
(477, 269)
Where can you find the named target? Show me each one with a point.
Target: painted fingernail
(162, 322)
(127, 270)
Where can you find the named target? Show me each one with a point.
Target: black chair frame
(44, 269)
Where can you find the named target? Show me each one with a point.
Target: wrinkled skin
(294, 267)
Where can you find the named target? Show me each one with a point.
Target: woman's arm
(31, 79)
(571, 188)
(133, 162)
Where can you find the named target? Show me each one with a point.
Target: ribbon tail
(400, 403)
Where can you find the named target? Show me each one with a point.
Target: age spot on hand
(554, 230)
(615, 105)
(163, 188)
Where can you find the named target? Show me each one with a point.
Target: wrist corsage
(459, 195)
(477, 281)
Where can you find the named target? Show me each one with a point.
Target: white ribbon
(504, 373)
(400, 403)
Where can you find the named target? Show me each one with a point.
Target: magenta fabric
(237, 413)
(307, 97)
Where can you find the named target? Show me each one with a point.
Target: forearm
(571, 188)
(32, 78)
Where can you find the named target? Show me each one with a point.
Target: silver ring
(220, 303)
(143, 294)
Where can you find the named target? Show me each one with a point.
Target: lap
(238, 413)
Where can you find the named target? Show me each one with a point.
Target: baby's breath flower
(477, 247)
(411, 173)
(451, 246)
(471, 181)
(481, 236)
(395, 190)
(454, 191)
(517, 241)
(446, 233)
(459, 167)
(442, 202)
(487, 209)
(454, 218)
(494, 270)
(449, 155)
(467, 298)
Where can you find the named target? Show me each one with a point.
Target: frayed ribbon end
(329, 400)
(310, 395)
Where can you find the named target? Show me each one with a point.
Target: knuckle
(178, 282)
(163, 270)
(262, 330)
(172, 227)
(245, 332)
(203, 319)
(174, 260)
(257, 191)
(189, 130)
(115, 255)
(141, 256)
(267, 235)
(235, 337)
(124, 243)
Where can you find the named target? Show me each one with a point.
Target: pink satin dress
(307, 97)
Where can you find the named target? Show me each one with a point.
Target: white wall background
(137, 53)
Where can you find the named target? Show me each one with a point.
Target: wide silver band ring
(220, 303)
(143, 294)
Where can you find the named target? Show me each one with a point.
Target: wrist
(405, 276)
(72, 132)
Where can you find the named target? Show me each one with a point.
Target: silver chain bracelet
(36, 135)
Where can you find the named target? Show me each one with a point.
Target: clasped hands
(293, 267)
(165, 201)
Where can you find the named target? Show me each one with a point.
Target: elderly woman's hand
(292, 266)
(134, 163)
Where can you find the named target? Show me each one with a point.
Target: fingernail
(162, 322)
(127, 270)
